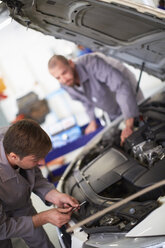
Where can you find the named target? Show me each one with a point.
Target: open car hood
(130, 32)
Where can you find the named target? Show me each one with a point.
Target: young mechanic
(99, 81)
(23, 146)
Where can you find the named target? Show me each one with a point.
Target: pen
(82, 203)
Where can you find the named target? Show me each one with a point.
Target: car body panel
(148, 226)
(116, 240)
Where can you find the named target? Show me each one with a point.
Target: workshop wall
(24, 55)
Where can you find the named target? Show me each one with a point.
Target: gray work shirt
(107, 84)
(15, 192)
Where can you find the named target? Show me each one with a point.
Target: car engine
(108, 173)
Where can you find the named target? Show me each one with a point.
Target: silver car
(104, 172)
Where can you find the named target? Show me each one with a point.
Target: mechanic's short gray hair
(55, 59)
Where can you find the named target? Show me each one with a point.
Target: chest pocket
(15, 193)
(99, 92)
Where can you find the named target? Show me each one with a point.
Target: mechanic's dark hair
(55, 59)
(26, 137)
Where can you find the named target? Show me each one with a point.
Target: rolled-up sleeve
(11, 227)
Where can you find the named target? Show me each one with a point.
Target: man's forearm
(129, 123)
(127, 131)
(54, 216)
(40, 219)
(51, 195)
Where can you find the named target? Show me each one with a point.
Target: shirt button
(94, 99)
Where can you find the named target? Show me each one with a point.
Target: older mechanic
(99, 81)
(23, 147)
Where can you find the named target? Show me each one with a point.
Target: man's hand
(127, 131)
(61, 200)
(55, 216)
(91, 127)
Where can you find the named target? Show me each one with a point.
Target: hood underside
(127, 31)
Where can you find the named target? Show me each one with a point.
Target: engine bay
(108, 173)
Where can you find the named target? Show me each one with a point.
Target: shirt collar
(83, 75)
(6, 171)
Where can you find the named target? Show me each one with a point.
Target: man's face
(27, 162)
(64, 73)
